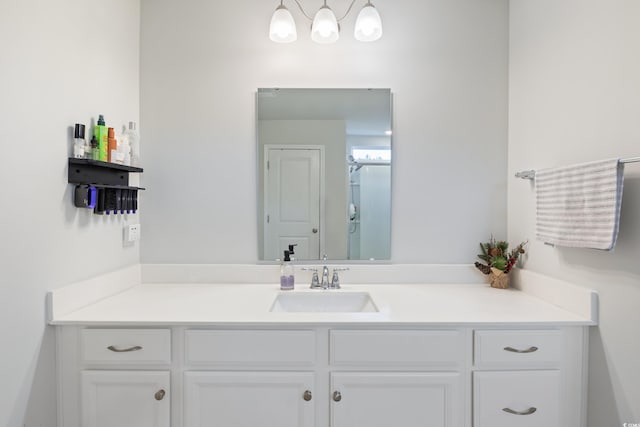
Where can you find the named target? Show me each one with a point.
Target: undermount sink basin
(324, 302)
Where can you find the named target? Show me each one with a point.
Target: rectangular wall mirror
(324, 173)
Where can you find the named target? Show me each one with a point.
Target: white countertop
(248, 304)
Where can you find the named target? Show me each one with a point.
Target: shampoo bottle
(113, 145)
(79, 143)
(134, 142)
(101, 134)
(286, 273)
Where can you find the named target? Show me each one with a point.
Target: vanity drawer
(516, 399)
(518, 349)
(419, 348)
(125, 346)
(239, 348)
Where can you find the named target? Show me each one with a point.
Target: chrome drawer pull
(124, 350)
(515, 350)
(527, 412)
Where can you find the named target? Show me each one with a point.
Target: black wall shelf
(100, 174)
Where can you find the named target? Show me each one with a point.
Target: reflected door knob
(307, 395)
(314, 230)
(337, 397)
(160, 394)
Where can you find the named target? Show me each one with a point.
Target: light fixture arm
(310, 18)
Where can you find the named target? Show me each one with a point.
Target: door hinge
(268, 219)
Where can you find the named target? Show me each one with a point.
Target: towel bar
(531, 174)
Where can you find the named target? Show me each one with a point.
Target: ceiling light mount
(325, 27)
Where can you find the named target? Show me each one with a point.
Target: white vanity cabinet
(334, 375)
(412, 378)
(529, 378)
(248, 378)
(114, 377)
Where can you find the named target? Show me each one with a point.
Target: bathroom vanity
(196, 355)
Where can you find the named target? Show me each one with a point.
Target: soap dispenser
(291, 252)
(286, 273)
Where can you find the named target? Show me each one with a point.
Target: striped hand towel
(579, 205)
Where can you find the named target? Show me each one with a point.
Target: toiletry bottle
(291, 252)
(286, 273)
(79, 142)
(113, 145)
(100, 132)
(95, 150)
(134, 142)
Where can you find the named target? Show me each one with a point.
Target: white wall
(202, 62)
(574, 97)
(61, 62)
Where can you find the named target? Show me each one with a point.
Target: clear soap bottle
(286, 273)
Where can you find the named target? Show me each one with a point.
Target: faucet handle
(335, 280)
(315, 282)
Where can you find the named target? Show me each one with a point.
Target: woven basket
(499, 279)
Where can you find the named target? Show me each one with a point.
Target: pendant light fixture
(283, 27)
(368, 25)
(325, 27)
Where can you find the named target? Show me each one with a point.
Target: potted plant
(498, 261)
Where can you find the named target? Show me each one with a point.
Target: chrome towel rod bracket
(531, 174)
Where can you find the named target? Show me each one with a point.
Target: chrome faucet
(325, 277)
(324, 283)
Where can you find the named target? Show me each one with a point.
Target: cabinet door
(396, 399)
(125, 399)
(248, 399)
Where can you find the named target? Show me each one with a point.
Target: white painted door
(248, 399)
(292, 202)
(368, 399)
(125, 399)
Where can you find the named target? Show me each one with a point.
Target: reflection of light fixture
(388, 132)
(325, 27)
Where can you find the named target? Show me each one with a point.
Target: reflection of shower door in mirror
(292, 201)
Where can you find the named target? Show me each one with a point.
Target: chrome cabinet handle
(160, 394)
(337, 397)
(307, 395)
(124, 350)
(527, 412)
(527, 350)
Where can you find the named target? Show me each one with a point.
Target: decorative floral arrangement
(498, 260)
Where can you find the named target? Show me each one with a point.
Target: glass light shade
(325, 26)
(282, 28)
(368, 24)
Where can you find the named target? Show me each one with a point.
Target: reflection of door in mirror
(292, 200)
